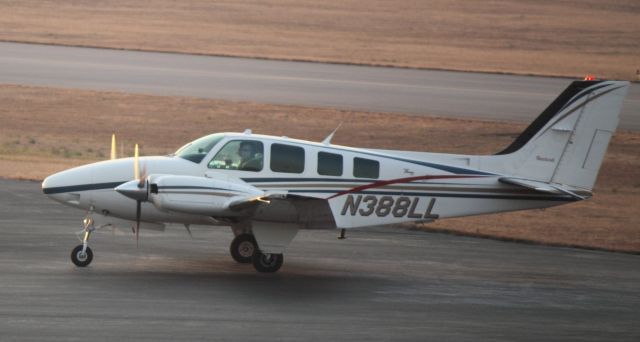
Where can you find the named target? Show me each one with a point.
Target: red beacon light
(589, 78)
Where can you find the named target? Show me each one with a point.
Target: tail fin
(567, 142)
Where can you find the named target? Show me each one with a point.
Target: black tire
(267, 263)
(81, 260)
(243, 247)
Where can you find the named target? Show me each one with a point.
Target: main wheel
(243, 247)
(267, 263)
(79, 258)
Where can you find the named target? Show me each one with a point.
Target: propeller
(138, 214)
(136, 189)
(113, 147)
(142, 184)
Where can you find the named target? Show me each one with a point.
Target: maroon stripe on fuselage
(399, 180)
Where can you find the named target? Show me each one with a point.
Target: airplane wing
(274, 218)
(233, 198)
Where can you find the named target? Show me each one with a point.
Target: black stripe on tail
(567, 97)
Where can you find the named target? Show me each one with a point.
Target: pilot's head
(247, 150)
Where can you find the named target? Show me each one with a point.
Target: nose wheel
(243, 247)
(81, 256)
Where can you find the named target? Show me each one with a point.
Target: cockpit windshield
(198, 149)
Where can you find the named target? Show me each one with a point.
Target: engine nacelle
(199, 195)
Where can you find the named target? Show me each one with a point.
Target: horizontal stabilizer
(546, 187)
(530, 184)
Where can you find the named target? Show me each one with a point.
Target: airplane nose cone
(65, 186)
(51, 184)
(55, 184)
(58, 188)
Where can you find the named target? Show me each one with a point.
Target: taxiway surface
(416, 92)
(377, 285)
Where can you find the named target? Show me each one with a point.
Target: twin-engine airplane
(266, 188)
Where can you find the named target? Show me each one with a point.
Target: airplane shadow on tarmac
(184, 279)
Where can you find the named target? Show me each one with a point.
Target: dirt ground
(45, 130)
(571, 38)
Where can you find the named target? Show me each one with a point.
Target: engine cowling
(199, 195)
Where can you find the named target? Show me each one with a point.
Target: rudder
(584, 153)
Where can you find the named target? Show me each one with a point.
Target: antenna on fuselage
(327, 140)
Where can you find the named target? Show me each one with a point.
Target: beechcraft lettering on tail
(267, 188)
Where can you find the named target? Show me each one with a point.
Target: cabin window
(196, 150)
(287, 158)
(243, 155)
(366, 168)
(329, 164)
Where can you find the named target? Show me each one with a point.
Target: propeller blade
(140, 176)
(113, 146)
(143, 177)
(138, 214)
(136, 165)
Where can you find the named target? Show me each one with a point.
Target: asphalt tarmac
(380, 284)
(416, 92)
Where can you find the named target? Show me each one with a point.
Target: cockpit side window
(196, 150)
(243, 155)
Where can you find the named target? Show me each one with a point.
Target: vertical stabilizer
(567, 142)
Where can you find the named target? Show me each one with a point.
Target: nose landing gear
(82, 255)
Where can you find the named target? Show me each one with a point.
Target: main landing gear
(243, 247)
(244, 250)
(267, 263)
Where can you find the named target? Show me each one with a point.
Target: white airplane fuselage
(457, 190)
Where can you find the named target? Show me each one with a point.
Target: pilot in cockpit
(250, 157)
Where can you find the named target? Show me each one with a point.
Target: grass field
(570, 38)
(45, 130)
